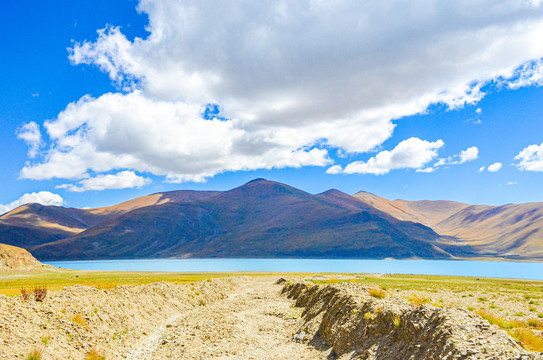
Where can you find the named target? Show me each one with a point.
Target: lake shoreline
(488, 269)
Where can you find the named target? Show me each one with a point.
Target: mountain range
(268, 219)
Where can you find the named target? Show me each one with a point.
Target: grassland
(56, 279)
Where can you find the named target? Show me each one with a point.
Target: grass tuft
(40, 292)
(93, 354)
(78, 319)
(35, 354)
(25, 294)
(418, 300)
(45, 339)
(535, 323)
(377, 292)
(396, 320)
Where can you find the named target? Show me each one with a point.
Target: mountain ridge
(269, 219)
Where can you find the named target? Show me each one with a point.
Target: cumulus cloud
(292, 80)
(42, 197)
(470, 154)
(120, 180)
(531, 158)
(495, 167)
(336, 169)
(412, 153)
(30, 133)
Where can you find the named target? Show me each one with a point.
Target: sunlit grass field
(57, 279)
(434, 283)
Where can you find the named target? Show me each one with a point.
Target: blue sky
(104, 101)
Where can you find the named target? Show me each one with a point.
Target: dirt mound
(12, 257)
(69, 323)
(358, 325)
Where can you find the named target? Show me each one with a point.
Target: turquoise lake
(515, 270)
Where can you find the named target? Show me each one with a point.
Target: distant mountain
(426, 212)
(512, 231)
(269, 219)
(259, 219)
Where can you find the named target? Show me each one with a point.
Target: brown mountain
(510, 231)
(268, 219)
(259, 219)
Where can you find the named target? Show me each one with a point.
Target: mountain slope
(259, 219)
(70, 221)
(512, 231)
(426, 212)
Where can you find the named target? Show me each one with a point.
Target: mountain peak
(257, 180)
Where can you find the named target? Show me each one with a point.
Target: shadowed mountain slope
(514, 230)
(259, 219)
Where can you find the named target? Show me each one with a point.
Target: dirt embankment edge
(359, 326)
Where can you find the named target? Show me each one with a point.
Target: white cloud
(494, 167)
(42, 197)
(31, 134)
(528, 75)
(478, 110)
(336, 169)
(120, 180)
(294, 79)
(412, 153)
(531, 158)
(482, 168)
(470, 154)
(427, 170)
(512, 183)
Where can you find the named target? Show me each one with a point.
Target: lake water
(515, 270)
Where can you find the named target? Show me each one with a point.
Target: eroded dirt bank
(360, 326)
(70, 323)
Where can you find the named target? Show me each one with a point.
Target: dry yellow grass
(93, 354)
(78, 319)
(528, 339)
(418, 300)
(35, 354)
(377, 292)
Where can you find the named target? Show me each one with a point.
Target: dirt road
(253, 322)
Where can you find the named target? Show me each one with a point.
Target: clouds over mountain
(121, 180)
(42, 197)
(290, 81)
